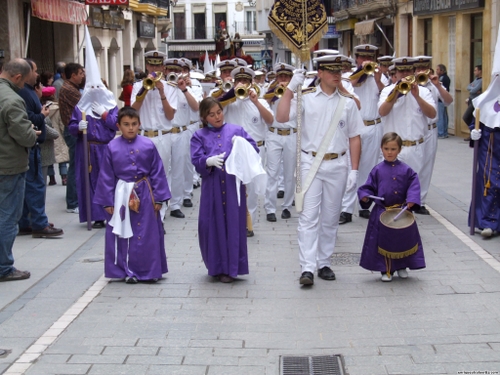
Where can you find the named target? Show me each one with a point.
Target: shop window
(428, 37)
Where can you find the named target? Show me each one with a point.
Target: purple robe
(397, 183)
(99, 133)
(142, 255)
(487, 205)
(222, 223)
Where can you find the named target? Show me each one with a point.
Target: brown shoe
(225, 279)
(52, 180)
(47, 232)
(16, 275)
(64, 179)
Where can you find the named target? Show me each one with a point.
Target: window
(428, 37)
(179, 26)
(476, 42)
(250, 22)
(200, 30)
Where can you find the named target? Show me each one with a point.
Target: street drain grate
(345, 259)
(312, 365)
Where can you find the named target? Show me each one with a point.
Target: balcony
(193, 33)
(150, 7)
(343, 9)
(244, 28)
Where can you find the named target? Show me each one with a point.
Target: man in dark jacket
(34, 220)
(17, 135)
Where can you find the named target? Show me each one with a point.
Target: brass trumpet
(404, 87)
(150, 83)
(226, 86)
(279, 91)
(370, 68)
(423, 77)
(174, 77)
(242, 92)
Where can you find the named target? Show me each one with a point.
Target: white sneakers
(402, 273)
(487, 232)
(72, 210)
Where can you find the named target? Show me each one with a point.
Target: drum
(397, 238)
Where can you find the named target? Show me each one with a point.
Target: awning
(191, 47)
(365, 27)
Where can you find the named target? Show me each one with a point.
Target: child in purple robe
(222, 221)
(389, 250)
(132, 186)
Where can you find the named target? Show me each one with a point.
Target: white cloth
(486, 102)
(245, 163)
(121, 226)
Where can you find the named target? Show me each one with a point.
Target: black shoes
(98, 224)
(307, 278)
(281, 194)
(177, 213)
(345, 218)
(286, 214)
(365, 214)
(250, 233)
(196, 185)
(422, 211)
(271, 217)
(187, 203)
(326, 273)
(47, 232)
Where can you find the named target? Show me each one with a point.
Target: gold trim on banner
(285, 20)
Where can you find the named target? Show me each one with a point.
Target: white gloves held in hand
(298, 79)
(475, 135)
(82, 125)
(352, 180)
(216, 160)
(98, 109)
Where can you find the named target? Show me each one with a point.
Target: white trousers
(319, 220)
(413, 156)
(173, 153)
(252, 197)
(370, 152)
(430, 151)
(281, 151)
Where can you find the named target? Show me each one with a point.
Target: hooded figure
(101, 112)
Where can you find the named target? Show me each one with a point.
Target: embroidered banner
(63, 11)
(286, 20)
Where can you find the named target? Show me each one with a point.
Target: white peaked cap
(95, 90)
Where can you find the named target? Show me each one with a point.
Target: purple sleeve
(198, 155)
(369, 188)
(76, 117)
(413, 193)
(112, 119)
(106, 183)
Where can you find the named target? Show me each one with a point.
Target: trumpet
(150, 83)
(228, 85)
(279, 91)
(403, 87)
(423, 77)
(242, 91)
(174, 77)
(370, 68)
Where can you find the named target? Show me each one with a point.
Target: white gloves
(297, 80)
(475, 135)
(98, 109)
(216, 160)
(352, 180)
(82, 125)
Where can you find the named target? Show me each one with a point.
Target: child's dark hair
(129, 112)
(389, 137)
(205, 107)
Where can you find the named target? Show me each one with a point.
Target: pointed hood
(95, 90)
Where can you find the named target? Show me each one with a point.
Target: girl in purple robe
(398, 185)
(222, 222)
(135, 247)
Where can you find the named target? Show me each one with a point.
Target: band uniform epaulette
(346, 95)
(308, 90)
(172, 84)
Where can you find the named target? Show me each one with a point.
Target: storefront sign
(145, 29)
(332, 33)
(347, 24)
(106, 2)
(107, 19)
(64, 11)
(424, 7)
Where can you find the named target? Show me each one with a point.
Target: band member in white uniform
(384, 63)
(156, 107)
(254, 115)
(407, 115)
(367, 87)
(281, 143)
(319, 219)
(422, 66)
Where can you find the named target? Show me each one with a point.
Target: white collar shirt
(406, 117)
(196, 90)
(291, 123)
(318, 109)
(436, 96)
(368, 94)
(244, 113)
(151, 112)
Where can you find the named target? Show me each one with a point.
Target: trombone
(423, 77)
(403, 87)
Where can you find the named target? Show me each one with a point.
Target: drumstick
(398, 215)
(375, 197)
